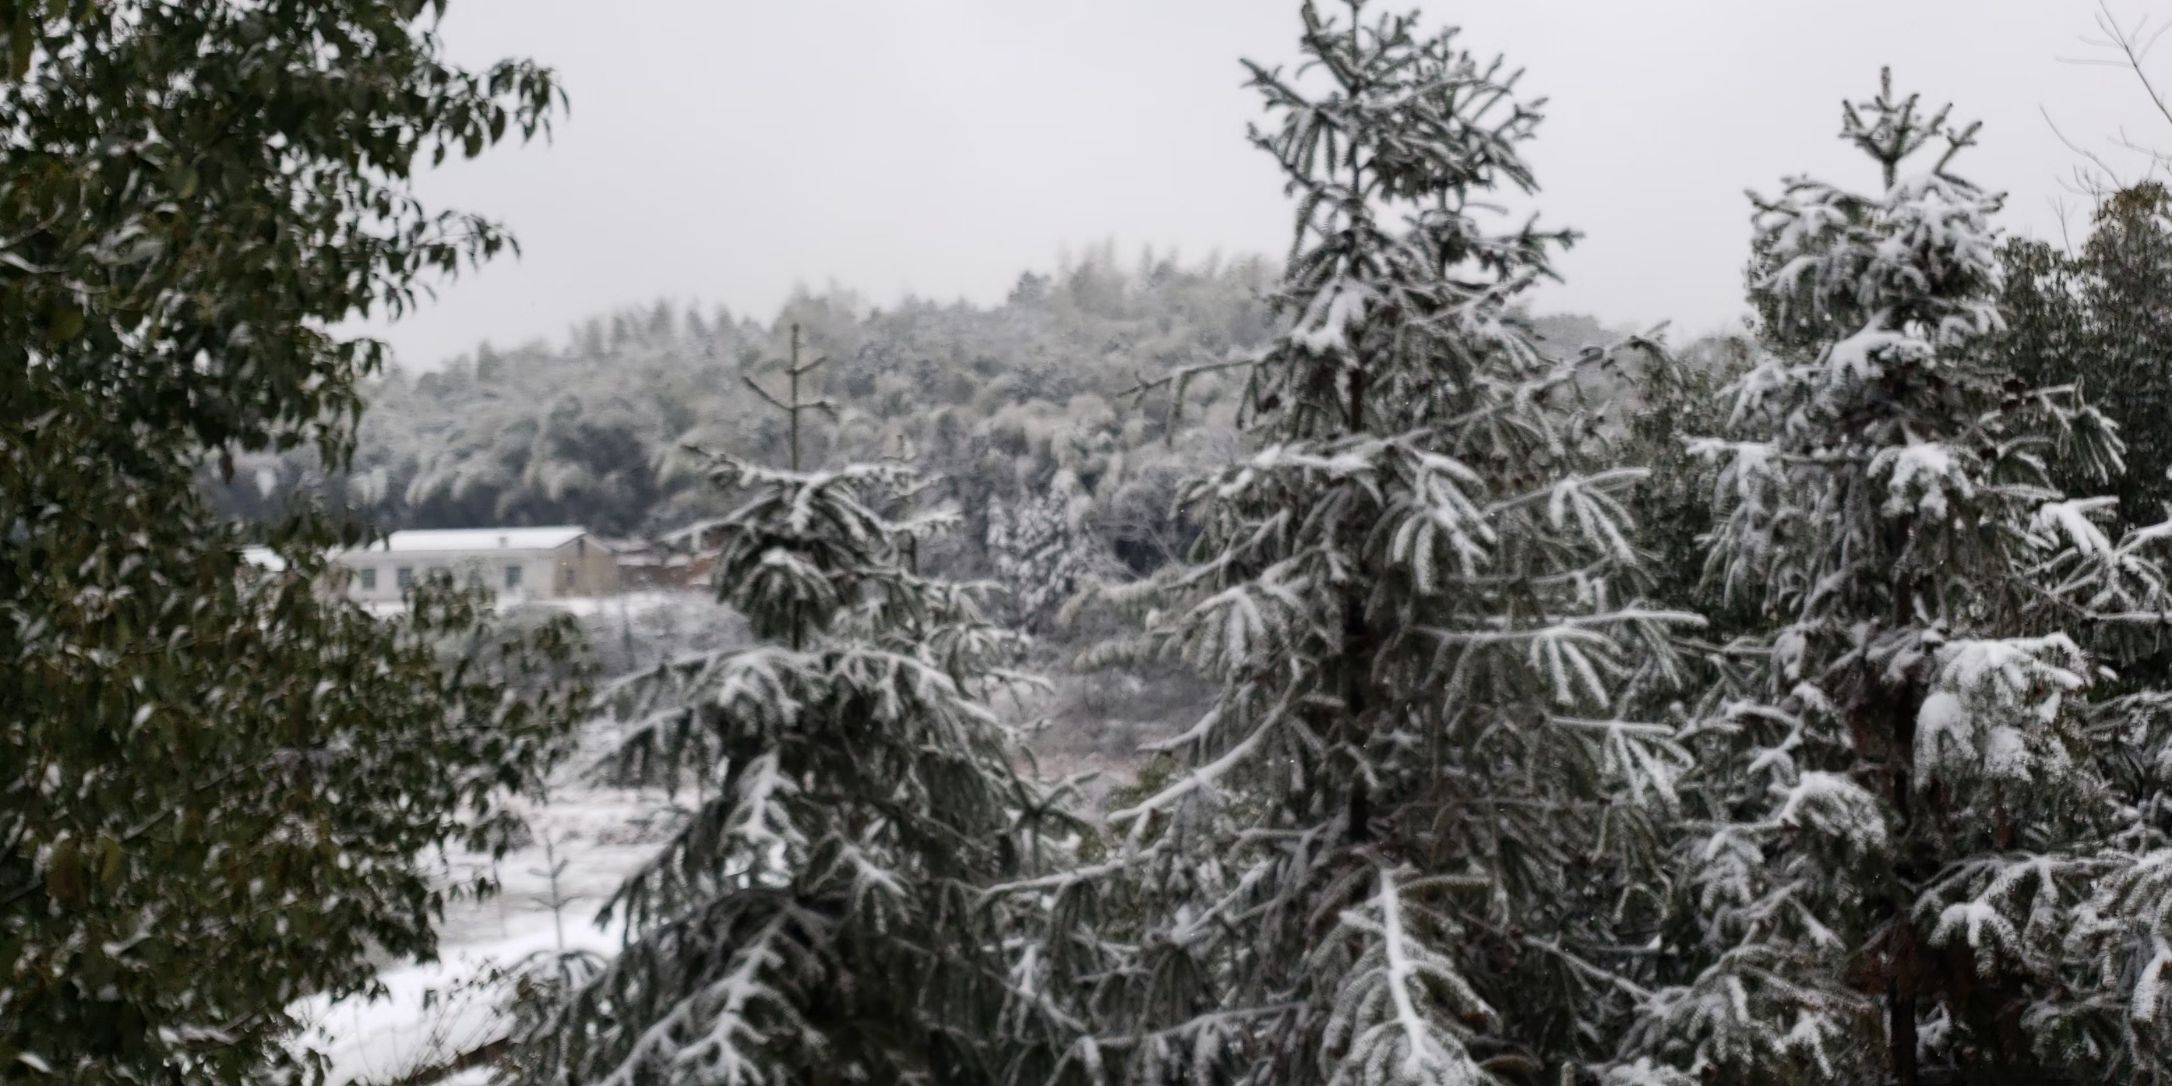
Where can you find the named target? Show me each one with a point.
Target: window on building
(512, 576)
(404, 577)
(369, 578)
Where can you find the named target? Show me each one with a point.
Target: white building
(536, 563)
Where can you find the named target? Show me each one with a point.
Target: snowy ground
(620, 604)
(1096, 724)
(436, 1011)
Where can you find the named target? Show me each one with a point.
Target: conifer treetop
(1417, 599)
(1908, 779)
(1919, 251)
(1390, 259)
(819, 910)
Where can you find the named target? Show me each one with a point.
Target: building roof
(264, 558)
(444, 540)
(691, 533)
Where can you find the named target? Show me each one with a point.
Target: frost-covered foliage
(2101, 318)
(1904, 809)
(1001, 401)
(1042, 549)
(1396, 848)
(1666, 406)
(819, 916)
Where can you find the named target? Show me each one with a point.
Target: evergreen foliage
(1005, 404)
(1848, 758)
(999, 401)
(818, 917)
(218, 787)
(1400, 846)
(1667, 407)
(1905, 832)
(2099, 319)
(1041, 550)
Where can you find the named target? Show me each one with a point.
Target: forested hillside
(1020, 410)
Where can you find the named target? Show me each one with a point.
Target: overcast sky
(724, 151)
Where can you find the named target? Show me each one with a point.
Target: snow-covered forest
(1022, 411)
(1324, 667)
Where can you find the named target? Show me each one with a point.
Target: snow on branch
(1391, 1020)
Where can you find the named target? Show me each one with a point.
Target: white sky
(724, 151)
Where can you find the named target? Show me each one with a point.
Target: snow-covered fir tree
(1042, 549)
(1904, 816)
(1393, 851)
(819, 916)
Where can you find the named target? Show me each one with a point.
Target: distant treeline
(1019, 408)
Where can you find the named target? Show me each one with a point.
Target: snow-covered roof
(691, 532)
(264, 558)
(443, 540)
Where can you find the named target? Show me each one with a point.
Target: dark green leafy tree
(216, 784)
(819, 917)
(1663, 408)
(2101, 319)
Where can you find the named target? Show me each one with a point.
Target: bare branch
(2133, 48)
(764, 394)
(2095, 187)
(2129, 47)
(1180, 378)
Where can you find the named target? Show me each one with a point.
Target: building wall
(595, 568)
(538, 578)
(581, 567)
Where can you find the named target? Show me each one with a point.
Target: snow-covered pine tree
(1041, 549)
(1391, 852)
(819, 916)
(1909, 801)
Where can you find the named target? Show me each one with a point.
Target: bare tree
(2126, 46)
